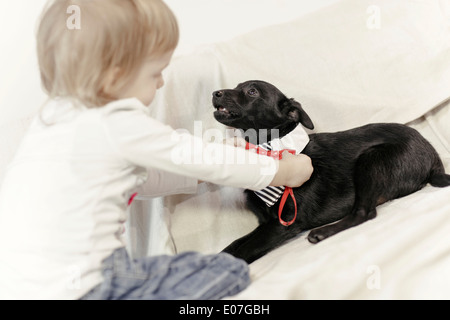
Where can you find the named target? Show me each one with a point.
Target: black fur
(354, 170)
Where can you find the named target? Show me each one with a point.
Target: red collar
(287, 191)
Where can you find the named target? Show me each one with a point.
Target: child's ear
(110, 82)
(294, 111)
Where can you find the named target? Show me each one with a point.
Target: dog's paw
(318, 235)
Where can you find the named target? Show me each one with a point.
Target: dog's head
(258, 105)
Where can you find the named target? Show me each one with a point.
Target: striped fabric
(269, 195)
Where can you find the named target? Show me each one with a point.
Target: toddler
(63, 200)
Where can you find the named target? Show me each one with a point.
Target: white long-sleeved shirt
(64, 196)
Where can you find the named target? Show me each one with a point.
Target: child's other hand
(293, 171)
(236, 142)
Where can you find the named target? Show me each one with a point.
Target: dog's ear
(294, 111)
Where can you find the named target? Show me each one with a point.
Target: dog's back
(393, 159)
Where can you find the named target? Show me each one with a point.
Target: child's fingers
(236, 142)
(286, 155)
(240, 142)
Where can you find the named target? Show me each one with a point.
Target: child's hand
(236, 141)
(293, 171)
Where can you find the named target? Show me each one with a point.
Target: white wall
(20, 91)
(201, 21)
(209, 21)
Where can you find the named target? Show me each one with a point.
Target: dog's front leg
(260, 241)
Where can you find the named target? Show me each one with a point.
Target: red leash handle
(288, 190)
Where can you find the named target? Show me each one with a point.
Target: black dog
(354, 170)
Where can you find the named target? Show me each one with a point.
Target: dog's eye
(252, 92)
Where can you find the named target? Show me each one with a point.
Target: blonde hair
(112, 34)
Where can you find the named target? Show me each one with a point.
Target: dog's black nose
(218, 94)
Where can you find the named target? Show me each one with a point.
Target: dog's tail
(440, 180)
(438, 177)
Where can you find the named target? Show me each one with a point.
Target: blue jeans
(189, 276)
